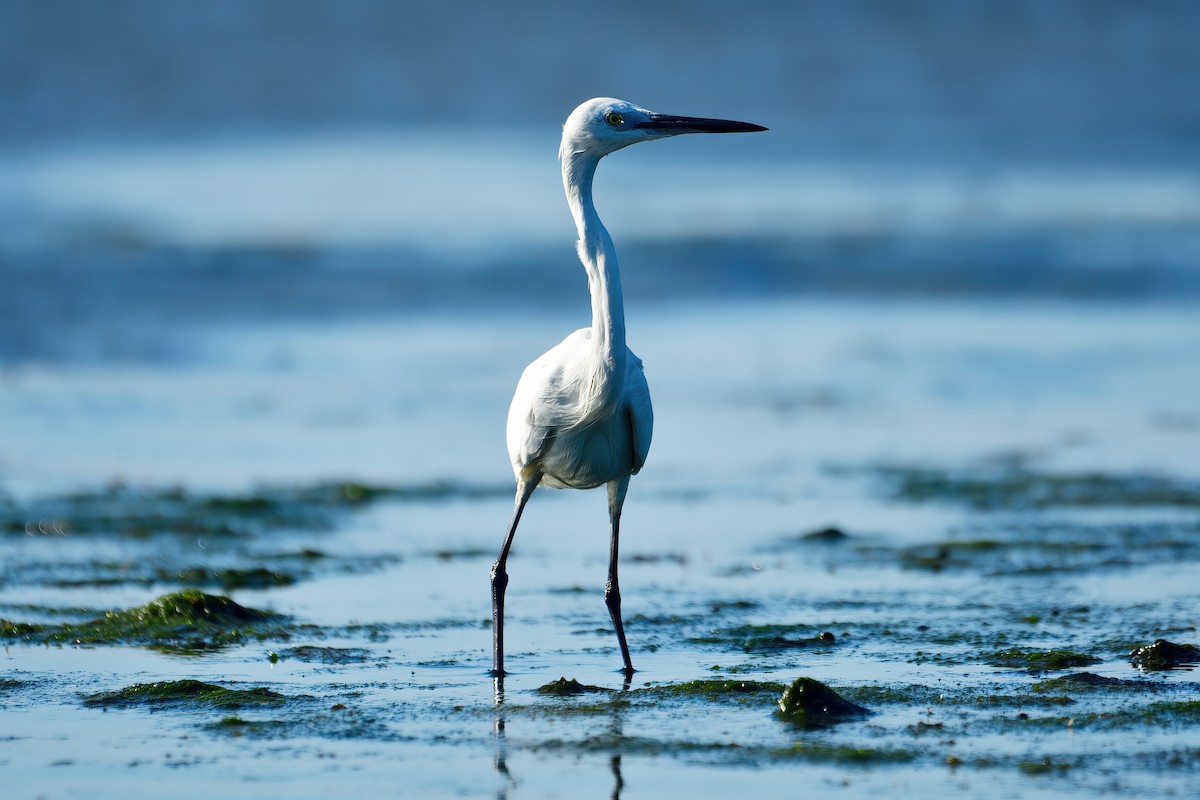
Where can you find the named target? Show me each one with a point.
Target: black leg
(612, 589)
(500, 576)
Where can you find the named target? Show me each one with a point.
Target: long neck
(600, 261)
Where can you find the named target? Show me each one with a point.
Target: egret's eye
(613, 118)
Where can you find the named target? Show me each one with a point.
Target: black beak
(669, 124)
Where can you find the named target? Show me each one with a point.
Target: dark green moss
(985, 700)
(1182, 712)
(143, 513)
(766, 638)
(180, 617)
(230, 579)
(463, 553)
(184, 692)
(1040, 660)
(759, 644)
(19, 630)
(1043, 767)
(567, 688)
(844, 754)
(1161, 716)
(1023, 489)
(337, 722)
(236, 726)
(609, 743)
(1084, 681)
(911, 694)
(808, 703)
(825, 536)
(1163, 655)
(612, 701)
(242, 505)
(715, 689)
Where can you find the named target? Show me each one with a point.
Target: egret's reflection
(509, 782)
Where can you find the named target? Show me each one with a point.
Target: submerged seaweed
(713, 689)
(1084, 681)
(1017, 489)
(141, 513)
(1040, 660)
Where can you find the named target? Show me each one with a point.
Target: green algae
(608, 743)
(568, 688)
(766, 638)
(1088, 681)
(844, 754)
(236, 726)
(828, 535)
(1039, 660)
(612, 701)
(808, 703)
(1019, 489)
(143, 513)
(1043, 767)
(230, 579)
(907, 694)
(181, 617)
(988, 700)
(1164, 655)
(713, 689)
(227, 579)
(464, 553)
(1160, 715)
(917, 695)
(184, 692)
(336, 722)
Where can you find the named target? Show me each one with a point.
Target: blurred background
(174, 176)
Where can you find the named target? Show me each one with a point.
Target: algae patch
(844, 754)
(767, 638)
(568, 688)
(1163, 655)
(1039, 660)
(1086, 681)
(1024, 489)
(808, 703)
(184, 692)
(714, 689)
(141, 513)
(181, 618)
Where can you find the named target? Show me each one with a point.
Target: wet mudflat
(973, 524)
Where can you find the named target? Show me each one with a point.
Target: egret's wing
(639, 411)
(541, 404)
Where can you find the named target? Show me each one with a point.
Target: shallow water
(774, 418)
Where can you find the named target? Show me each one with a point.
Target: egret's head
(603, 125)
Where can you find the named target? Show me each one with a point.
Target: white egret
(581, 415)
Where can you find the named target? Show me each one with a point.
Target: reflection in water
(618, 783)
(500, 760)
